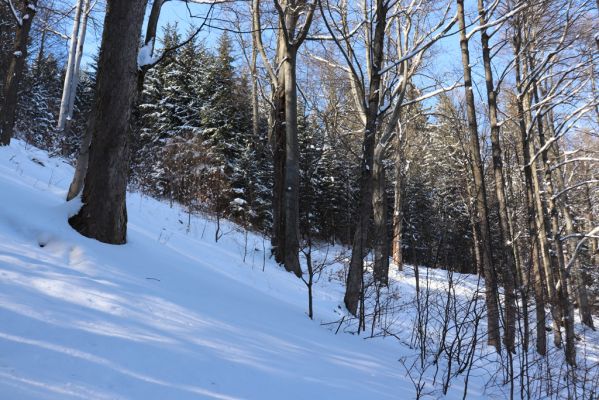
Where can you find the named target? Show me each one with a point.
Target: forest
(375, 138)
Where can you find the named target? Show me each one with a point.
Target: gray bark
(493, 337)
(103, 215)
(14, 74)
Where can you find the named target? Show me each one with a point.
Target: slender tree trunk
(150, 39)
(83, 158)
(14, 74)
(291, 167)
(563, 282)
(353, 291)
(103, 215)
(398, 207)
(40, 54)
(582, 296)
(508, 268)
(67, 91)
(78, 56)
(493, 337)
(543, 275)
(255, 105)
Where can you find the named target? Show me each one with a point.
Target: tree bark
(291, 167)
(78, 56)
(493, 337)
(380, 237)
(353, 291)
(398, 207)
(150, 39)
(508, 265)
(554, 233)
(103, 215)
(544, 283)
(14, 74)
(67, 91)
(83, 158)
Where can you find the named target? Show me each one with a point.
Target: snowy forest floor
(174, 314)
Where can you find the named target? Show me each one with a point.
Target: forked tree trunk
(103, 215)
(14, 74)
(493, 337)
(78, 57)
(82, 159)
(68, 80)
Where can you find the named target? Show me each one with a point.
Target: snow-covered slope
(170, 315)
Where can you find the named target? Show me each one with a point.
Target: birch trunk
(67, 90)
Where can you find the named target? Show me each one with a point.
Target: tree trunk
(79, 55)
(278, 145)
(291, 255)
(543, 274)
(353, 291)
(67, 91)
(508, 268)
(150, 39)
(104, 213)
(563, 282)
(14, 74)
(398, 207)
(380, 237)
(493, 337)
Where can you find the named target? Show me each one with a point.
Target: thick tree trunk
(353, 291)
(14, 74)
(278, 145)
(104, 214)
(493, 337)
(291, 255)
(508, 265)
(380, 237)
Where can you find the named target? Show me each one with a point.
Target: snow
(145, 57)
(175, 315)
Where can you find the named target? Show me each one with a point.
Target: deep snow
(172, 314)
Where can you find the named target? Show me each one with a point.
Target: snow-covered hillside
(175, 315)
